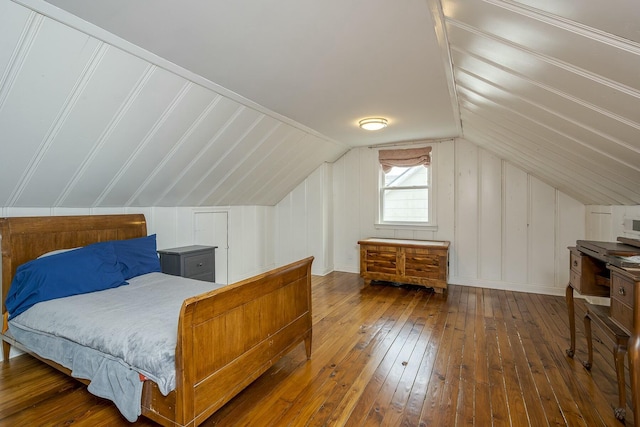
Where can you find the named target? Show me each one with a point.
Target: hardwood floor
(391, 356)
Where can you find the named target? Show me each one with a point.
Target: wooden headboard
(26, 238)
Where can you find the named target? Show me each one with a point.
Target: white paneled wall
(508, 229)
(304, 222)
(251, 241)
(607, 223)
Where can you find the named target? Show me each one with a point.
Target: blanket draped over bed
(112, 336)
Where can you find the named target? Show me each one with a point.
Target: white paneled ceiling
(553, 87)
(87, 124)
(193, 103)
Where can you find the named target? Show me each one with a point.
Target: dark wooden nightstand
(195, 262)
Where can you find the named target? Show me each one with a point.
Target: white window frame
(431, 225)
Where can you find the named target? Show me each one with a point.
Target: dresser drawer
(621, 289)
(622, 314)
(198, 265)
(425, 263)
(381, 260)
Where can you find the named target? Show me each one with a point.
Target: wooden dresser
(416, 262)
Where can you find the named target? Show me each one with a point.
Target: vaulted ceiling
(164, 103)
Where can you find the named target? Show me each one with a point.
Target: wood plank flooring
(386, 356)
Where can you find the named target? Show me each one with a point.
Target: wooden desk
(593, 273)
(589, 274)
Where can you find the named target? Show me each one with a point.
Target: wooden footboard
(229, 337)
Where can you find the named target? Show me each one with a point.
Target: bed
(269, 315)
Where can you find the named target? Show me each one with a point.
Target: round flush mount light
(373, 123)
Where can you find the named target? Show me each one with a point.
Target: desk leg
(587, 332)
(634, 367)
(618, 355)
(572, 321)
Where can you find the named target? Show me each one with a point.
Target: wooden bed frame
(226, 338)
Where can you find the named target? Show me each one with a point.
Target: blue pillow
(137, 256)
(88, 269)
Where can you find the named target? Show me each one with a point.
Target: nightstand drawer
(198, 265)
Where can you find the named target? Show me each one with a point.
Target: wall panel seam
(19, 55)
(222, 197)
(203, 150)
(101, 140)
(568, 25)
(274, 147)
(164, 116)
(221, 160)
(176, 147)
(541, 165)
(548, 59)
(259, 193)
(60, 120)
(555, 150)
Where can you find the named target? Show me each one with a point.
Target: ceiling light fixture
(373, 123)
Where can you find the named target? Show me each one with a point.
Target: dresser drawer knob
(200, 264)
(575, 263)
(621, 291)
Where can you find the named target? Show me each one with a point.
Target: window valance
(404, 158)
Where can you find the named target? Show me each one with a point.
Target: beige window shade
(404, 158)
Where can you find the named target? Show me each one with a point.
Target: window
(405, 187)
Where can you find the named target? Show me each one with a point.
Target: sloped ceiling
(86, 124)
(164, 103)
(553, 87)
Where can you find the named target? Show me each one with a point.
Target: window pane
(411, 205)
(406, 177)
